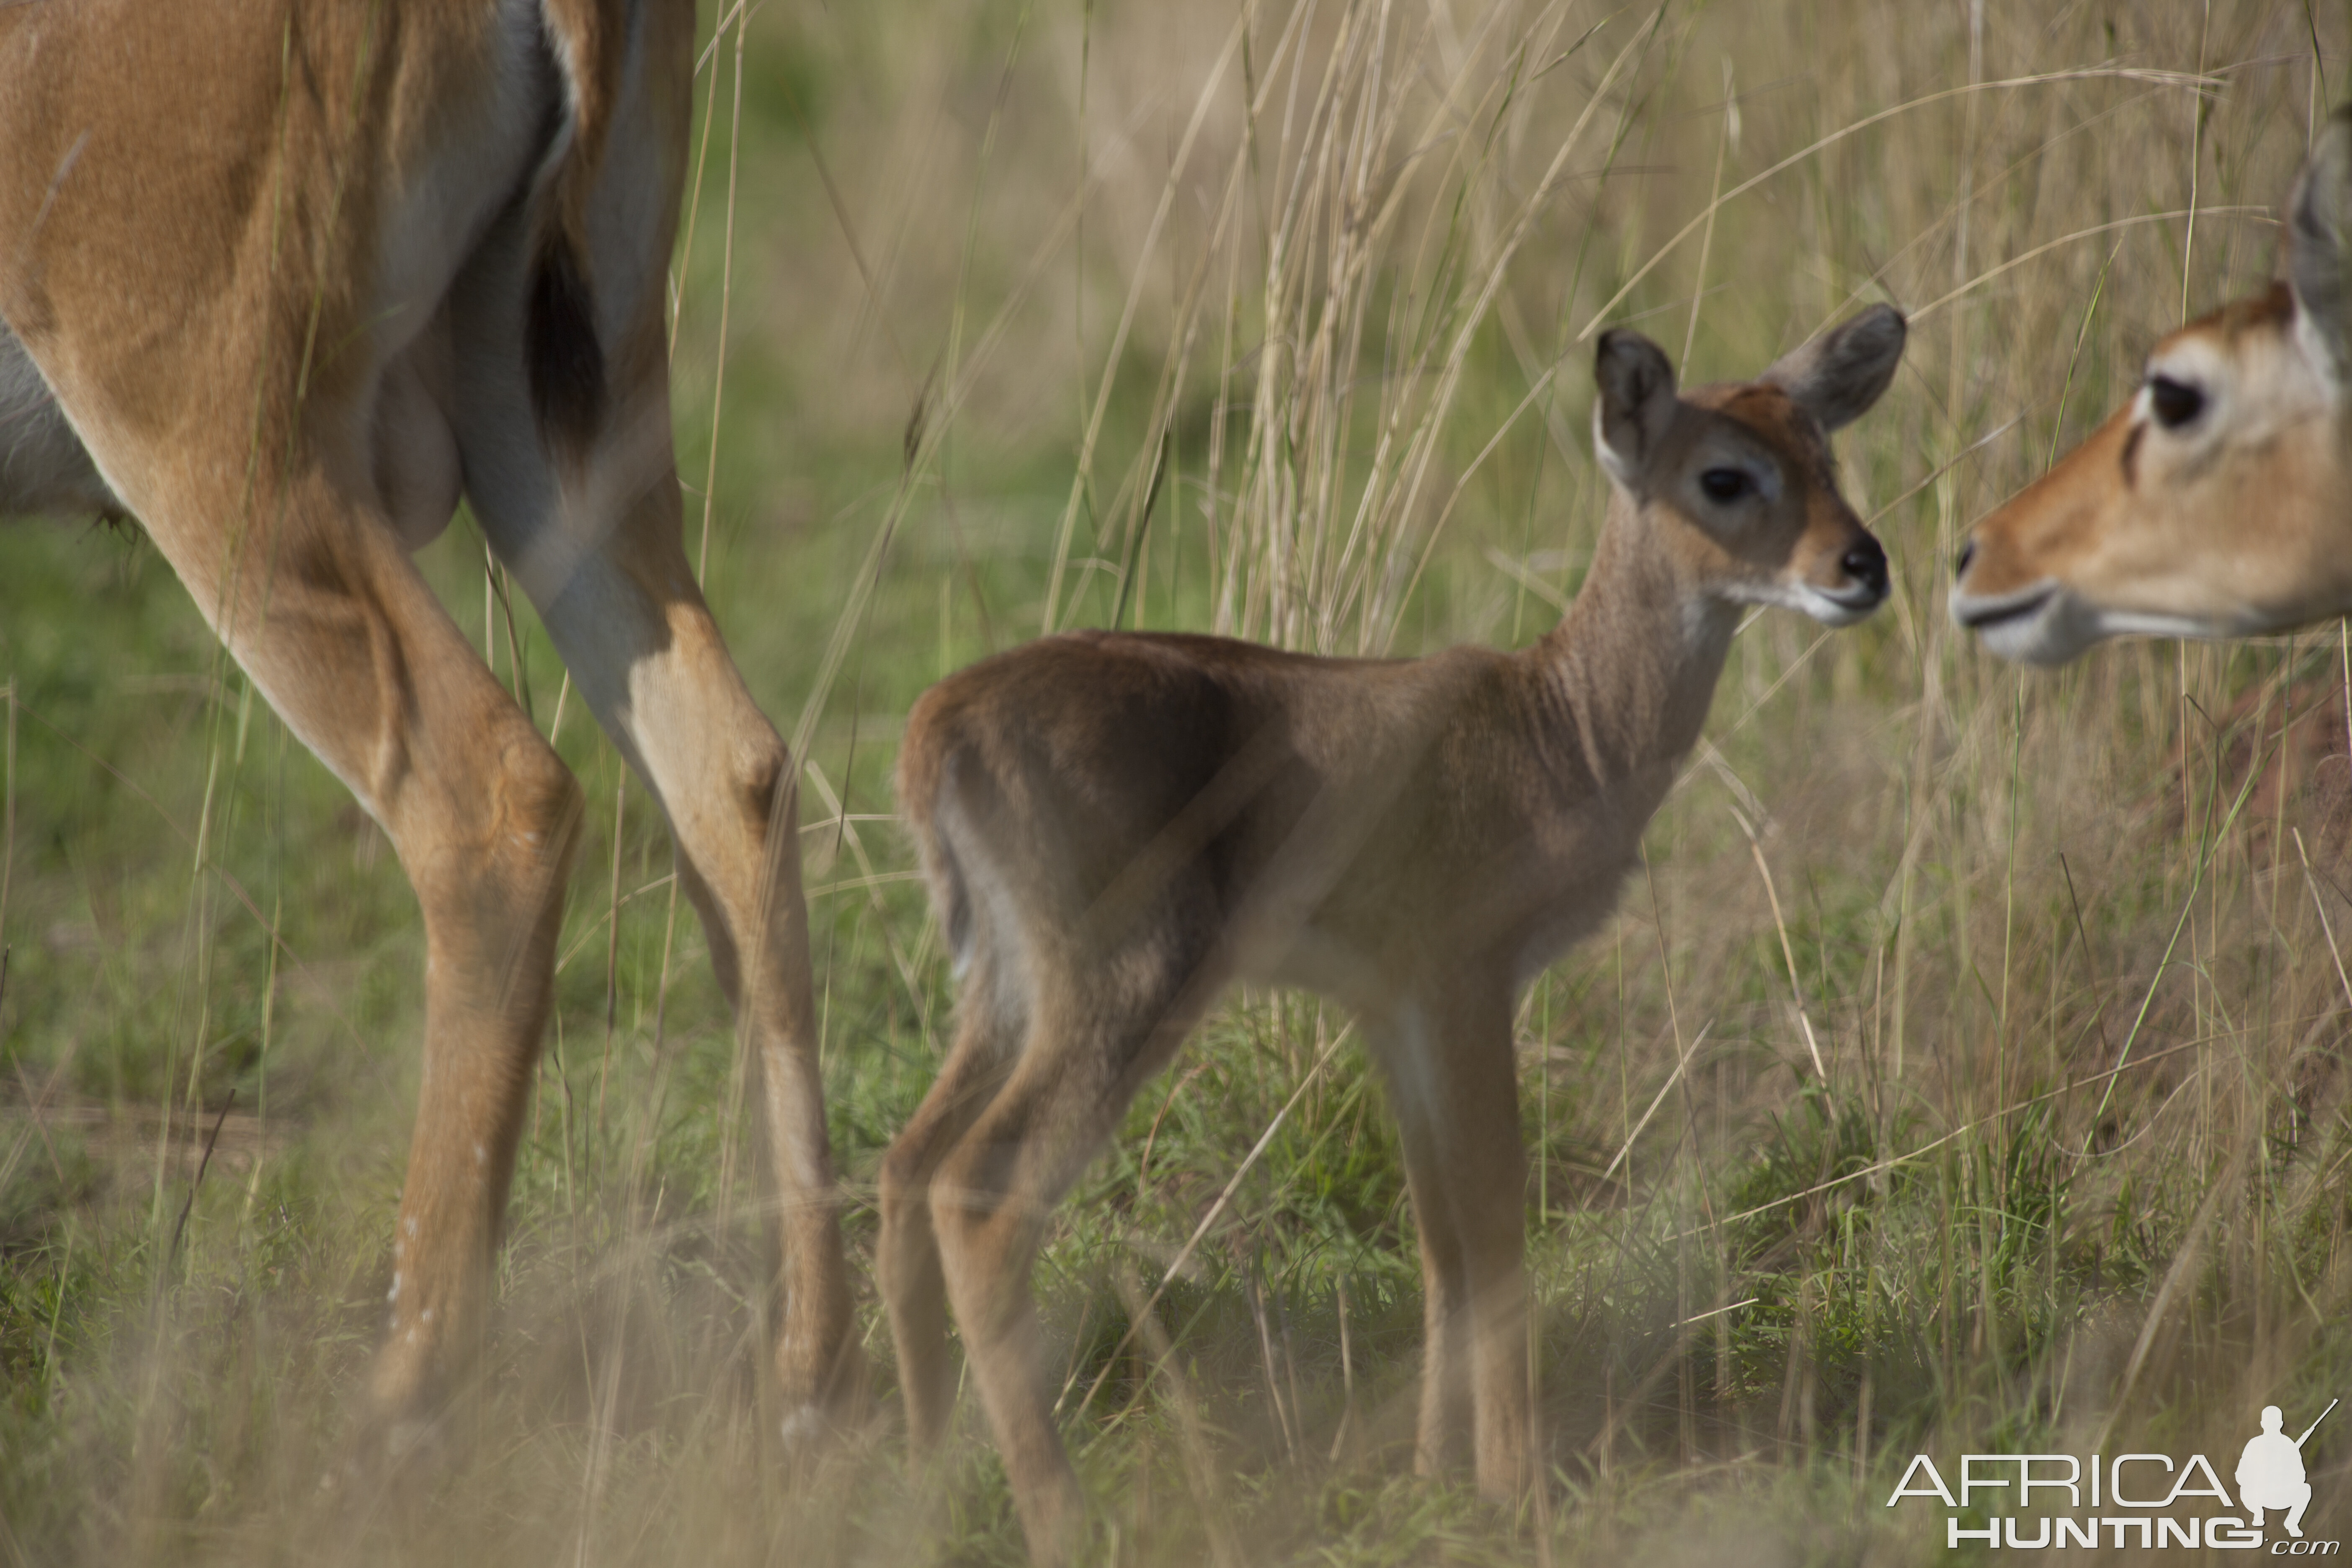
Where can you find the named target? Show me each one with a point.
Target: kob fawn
(1114, 827)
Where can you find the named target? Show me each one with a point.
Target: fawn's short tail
(928, 769)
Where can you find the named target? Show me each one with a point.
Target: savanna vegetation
(1964, 1069)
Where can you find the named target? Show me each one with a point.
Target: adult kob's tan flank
(283, 280)
(1114, 827)
(2218, 503)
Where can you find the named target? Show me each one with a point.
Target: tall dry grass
(1275, 320)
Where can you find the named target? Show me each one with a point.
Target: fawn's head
(1736, 480)
(2213, 503)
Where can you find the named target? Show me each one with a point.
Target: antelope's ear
(2319, 245)
(1837, 376)
(1636, 404)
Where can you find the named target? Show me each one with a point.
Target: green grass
(1996, 888)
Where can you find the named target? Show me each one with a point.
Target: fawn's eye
(1725, 484)
(2176, 403)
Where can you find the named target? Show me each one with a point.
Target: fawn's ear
(2319, 246)
(1838, 375)
(1635, 406)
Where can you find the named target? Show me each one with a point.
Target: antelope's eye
(1725, 484)
(2176, 403)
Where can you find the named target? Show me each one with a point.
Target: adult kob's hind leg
(595, 538)
(333, 623)
(644, 652)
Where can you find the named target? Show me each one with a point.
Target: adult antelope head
(1114, 827)
(2218, 503)
(283, 281)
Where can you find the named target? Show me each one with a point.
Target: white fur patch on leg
(804, 1427)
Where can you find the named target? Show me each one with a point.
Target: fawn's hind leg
(907, 1256)
(1092, 1042)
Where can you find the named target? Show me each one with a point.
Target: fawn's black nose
(1865, 562)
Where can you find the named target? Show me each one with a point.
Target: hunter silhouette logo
(2118, 1500)
(2269, 1472)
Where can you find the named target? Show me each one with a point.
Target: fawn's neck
(1628, 673)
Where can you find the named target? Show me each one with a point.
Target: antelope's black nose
(1865, 562)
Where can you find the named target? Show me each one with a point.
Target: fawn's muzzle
(1865, 562)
